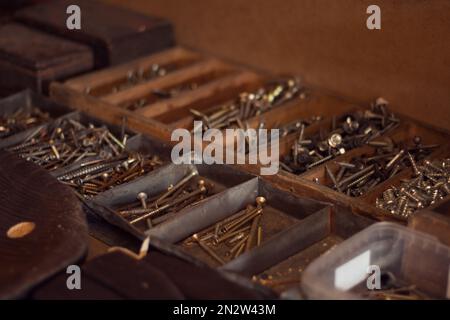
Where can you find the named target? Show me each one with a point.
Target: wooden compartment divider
(212, 79)
(198, 73)
(101, 82)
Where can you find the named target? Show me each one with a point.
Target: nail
(208, 249)
(142, 196)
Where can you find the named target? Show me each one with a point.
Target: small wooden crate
(216, 81)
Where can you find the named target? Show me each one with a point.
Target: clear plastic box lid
(384, 261)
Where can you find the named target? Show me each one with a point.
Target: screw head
(260, 201)
(142, 196)
(335, 140)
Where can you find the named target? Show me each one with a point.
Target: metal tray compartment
(27, 100)
(282, 210)
(156, 182)
(299, 246)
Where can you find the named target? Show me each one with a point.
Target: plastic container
(404, 257)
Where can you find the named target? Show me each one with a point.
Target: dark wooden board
(157, 276)
(31, 59)
(116, 35)
(59, 238)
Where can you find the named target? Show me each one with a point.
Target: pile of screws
(248, 105)
(430, 184)
(66, 141)
(93, 177)
(360, 175)
(162, 207)
(21, 120)
(236, 234)
(348, 132)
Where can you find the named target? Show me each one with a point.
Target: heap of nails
(348, 132)
(158, 209)
(429, 184)
(93, 177)
(21, 120)
(361, 174)
(89, 158)
(248, 105)
(67, 141)
(236, 234)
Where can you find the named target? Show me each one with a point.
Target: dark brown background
(407, 61)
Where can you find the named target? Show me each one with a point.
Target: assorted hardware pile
(160, 208)
(248, 105)
(429, 184)
(348, 132)
(21, 120)
(67, 141)
(93, 177)
(361, 174)
(236, 234)
(89, 158)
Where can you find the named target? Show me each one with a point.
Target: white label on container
(448, 284)
(352, 272)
